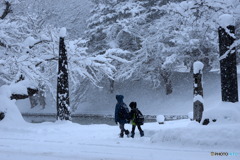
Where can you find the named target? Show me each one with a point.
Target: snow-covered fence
(228, 58)
(197, 91)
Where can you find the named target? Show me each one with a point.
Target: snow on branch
(39, 42)
(231, 50)
(114, 53)
(85, 65)
(30, 42)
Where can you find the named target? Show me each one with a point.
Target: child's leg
(140, 130)
(133, 131)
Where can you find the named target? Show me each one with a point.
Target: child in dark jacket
(134, 117)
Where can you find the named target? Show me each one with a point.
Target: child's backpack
(139, 118)
(123, 112)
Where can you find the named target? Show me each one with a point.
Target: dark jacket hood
(119, 98)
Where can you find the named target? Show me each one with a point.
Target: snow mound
(224, 133)
(12, 114)
(160, 118)
(195, 134)
(225, 112)
(9, 108)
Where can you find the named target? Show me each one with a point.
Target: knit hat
(133, 105)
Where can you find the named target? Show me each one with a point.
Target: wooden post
(228, 67)
(197, 91)
(63, 106)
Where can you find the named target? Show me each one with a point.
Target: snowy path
(39, 150)
(69, 141)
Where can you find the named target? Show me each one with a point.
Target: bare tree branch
(39, 42)
(7, 10)
(3, 45)
(50, 59)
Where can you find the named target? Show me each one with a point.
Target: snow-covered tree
(160, 37)
(29, 47)
(109, 32)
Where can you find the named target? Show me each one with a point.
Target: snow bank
(195, 134)
(224, 112)
(224, 133)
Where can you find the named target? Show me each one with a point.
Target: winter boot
(121, 135)
(142, 134)
(127, 133)
(132, 135)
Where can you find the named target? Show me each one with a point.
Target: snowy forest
(69, 64)
(116, 42)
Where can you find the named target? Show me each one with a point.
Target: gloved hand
(116, 122)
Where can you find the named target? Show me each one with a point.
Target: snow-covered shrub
(160, 119)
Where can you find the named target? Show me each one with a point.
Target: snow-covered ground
(175, 140)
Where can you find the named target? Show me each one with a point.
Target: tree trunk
(228, 67)
(197, 92)
(63, 106)
(2, 115)
(33, 101)
(166, 76)
(111, 85)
